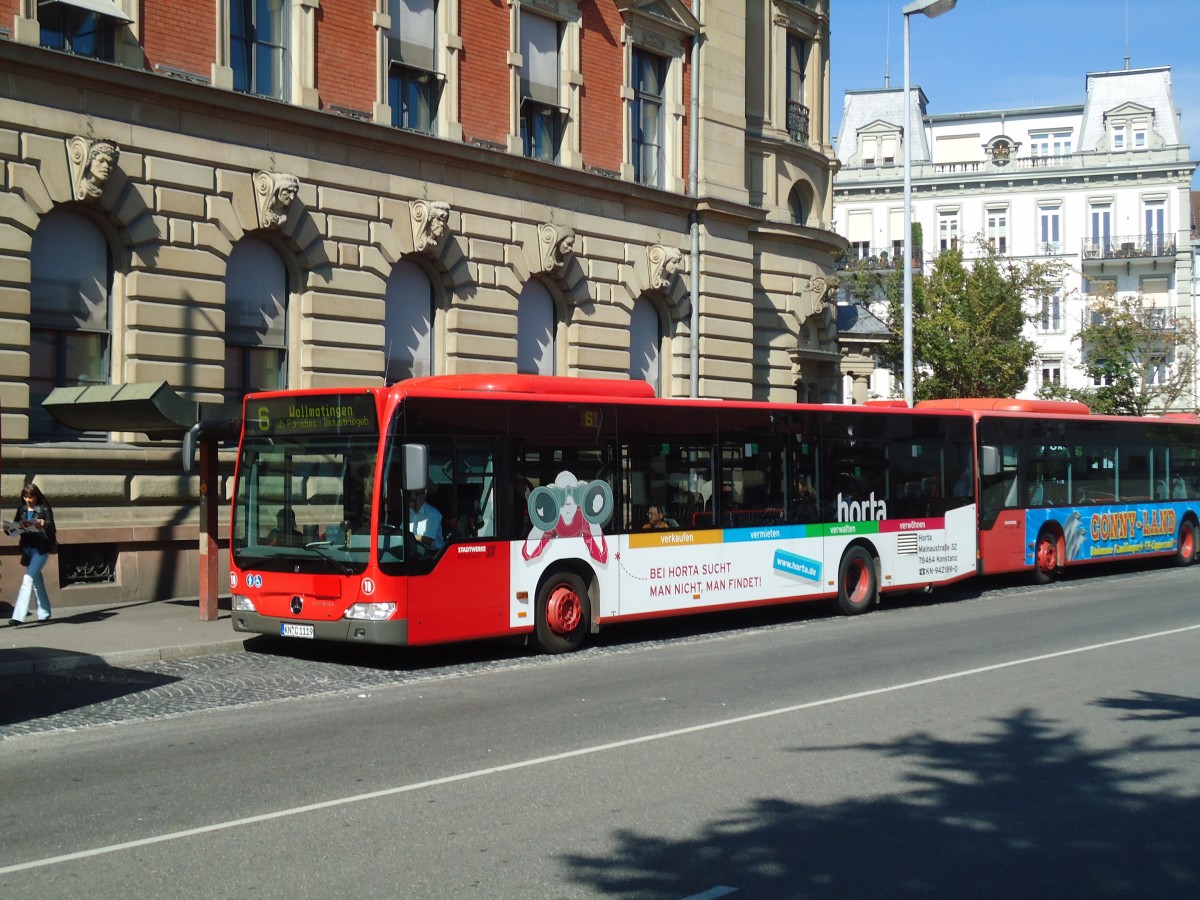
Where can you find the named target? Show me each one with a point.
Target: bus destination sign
(312, 414)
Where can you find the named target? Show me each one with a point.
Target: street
(996, 741)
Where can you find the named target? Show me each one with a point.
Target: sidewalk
(115, 636)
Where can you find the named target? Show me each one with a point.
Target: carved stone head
(274, 193)
(92, 163)
(665, 264)
(556, 245)
(430, 221)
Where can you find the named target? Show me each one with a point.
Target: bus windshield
(303, 492)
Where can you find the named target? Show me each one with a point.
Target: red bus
(454, 508)
(1061, 487)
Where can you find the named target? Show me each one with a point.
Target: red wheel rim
(857, 581)
(1187, 543)
(1047, 555)
(564, 611)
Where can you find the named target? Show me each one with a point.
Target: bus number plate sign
(291, 629)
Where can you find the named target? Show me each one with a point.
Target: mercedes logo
(297, 605)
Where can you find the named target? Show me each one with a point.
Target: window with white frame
(258, 47)
(1154, 214)
(1100, 230)
(1050, 228)
(1157, 371)
(648, 131)
(1051, 371)
(542, 113)
(1117, 141)
(1050, 143)
(414, 85)
(997, 230)
(948, 229)
(1137, 130)
(1050, 320)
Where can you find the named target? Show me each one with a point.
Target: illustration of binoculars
(594, 499)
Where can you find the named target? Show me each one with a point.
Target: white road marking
(570, 754)
(713, 893)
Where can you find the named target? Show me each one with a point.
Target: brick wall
(346, 54)
(483, 70)
(180, 34)
(602, 65)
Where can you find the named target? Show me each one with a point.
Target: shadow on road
(49, 693)
(1024, 810)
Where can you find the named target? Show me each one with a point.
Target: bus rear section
(1076, 489)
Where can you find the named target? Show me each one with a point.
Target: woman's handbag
(26, 558)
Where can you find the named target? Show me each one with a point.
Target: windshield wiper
(342, 566)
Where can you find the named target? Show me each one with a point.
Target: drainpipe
(694, 217)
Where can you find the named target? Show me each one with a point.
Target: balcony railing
(1136, 246)
(797, 121)
(876, 258)
(1157, 318)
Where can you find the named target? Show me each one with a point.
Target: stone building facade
(1101, 187)
(225, 196)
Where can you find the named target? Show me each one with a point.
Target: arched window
(800, 203)
(535, 330)
(256, 293)
(407, 324)
(645, 344)
(69, 298)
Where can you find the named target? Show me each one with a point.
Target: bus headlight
(372, 612)
(243, 604)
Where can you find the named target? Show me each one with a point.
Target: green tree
(1139, 358)
(967, 322)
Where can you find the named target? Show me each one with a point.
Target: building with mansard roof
(221, 196)
(1102, 186)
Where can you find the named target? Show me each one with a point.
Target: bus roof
(1002, 404)
(530, 384)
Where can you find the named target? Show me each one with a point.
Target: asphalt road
(1028, 743)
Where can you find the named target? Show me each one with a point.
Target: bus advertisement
(453, 508)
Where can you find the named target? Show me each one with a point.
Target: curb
(46, 660)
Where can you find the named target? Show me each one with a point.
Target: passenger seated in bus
(656, 519)
(1178, 488)
(424, 524)
(285, 533)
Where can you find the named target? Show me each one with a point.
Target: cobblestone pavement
(275, 670)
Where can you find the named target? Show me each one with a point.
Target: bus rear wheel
(1185, 553)
(857, 585)
(1045, 559)
(563, 613)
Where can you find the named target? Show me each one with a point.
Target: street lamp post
(932, 9)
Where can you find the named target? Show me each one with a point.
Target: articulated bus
(453, 508)
(1061, 487)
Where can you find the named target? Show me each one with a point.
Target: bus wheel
(1045, 560)
(1185, 554)
(563, 613)
(856, 582)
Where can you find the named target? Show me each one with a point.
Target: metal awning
(150, 408)
(103, 7)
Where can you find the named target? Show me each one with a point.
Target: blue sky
(997, 54)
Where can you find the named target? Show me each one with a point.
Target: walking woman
(35, 551)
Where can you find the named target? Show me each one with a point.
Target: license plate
(290, 629)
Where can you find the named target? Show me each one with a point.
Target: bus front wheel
(857, 585)
(563, 613)
(1045, 561)
(1185, 553)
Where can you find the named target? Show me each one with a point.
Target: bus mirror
(416, 466)
(989, 460)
